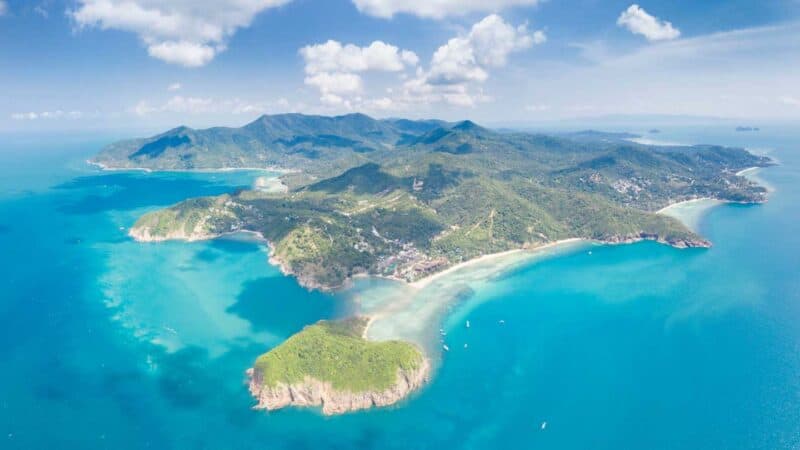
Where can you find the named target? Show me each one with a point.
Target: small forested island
(330, 364)
(406, 199)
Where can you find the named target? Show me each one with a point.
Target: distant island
(407, 199)
(747, 129)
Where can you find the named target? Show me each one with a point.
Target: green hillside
(447, 194)
(335, 352)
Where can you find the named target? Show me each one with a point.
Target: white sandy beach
(690, 212)
(422, 283)
(678, 205)
(647, 141)
(752, 175)
(745, 172)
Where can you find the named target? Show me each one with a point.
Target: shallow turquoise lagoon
(107, 343)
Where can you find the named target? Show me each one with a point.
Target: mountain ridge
(361, 203)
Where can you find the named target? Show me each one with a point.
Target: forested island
(331, 365)
(407, 199)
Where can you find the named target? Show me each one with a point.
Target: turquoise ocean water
(106, 343)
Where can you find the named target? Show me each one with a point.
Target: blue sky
(115, 64)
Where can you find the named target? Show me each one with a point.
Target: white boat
(544, 425)
(465, 345)
(468, 324)
(446, 348)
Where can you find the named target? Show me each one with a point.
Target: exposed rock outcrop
(688, 242)
(143, 234)
(312, 393)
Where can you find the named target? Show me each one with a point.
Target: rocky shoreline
(143, 235)
(677, 243)
(316, 393)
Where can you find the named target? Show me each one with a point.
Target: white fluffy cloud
(335, 83)
(435, 8)
(175, 87)
(487, 45)
(185, 53)
(3, 7)
(177, 104)
(57, 114)
(455, 62)
(456, 72)
(183, 32)
(334, 68)
(332, 56)
(638, 21)
(207, 105)
(742, 73)
(493, 40)
(192, 33)
(464, 62)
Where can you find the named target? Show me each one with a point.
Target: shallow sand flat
(485, 259)
(414, 312)
(690, 212)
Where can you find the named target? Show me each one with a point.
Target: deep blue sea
(106, 343)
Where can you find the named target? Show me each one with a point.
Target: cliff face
(311, 393)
